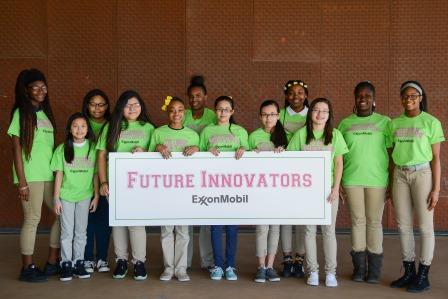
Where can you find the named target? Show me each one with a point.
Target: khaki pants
(175, 252)
(299, 240)
(39, 192)
(266, 239)
(205, 246)
(410, 193)
(366, 207)
(329, 244)
(137, 236)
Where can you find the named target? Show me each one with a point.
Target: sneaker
(140, 271)
(32, 274)
(331, 281)
(298, 266)
(102, 266)
(230, 274)
(272, 275)
(66, 271)
(80, 270)
(313, 279)
(89, 266)
(261, 275)
(120, 269)
(210, 269)
(217, 273)
(288, 269)
(52, 269)
(167, 275)
(182, 276)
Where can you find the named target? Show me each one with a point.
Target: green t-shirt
(366, 163)
(261, 140)
(292, 122)
(134, 135)
(337, 145)
(37, 168)
(77, 182)
(412, 138)
(224, 139)
(96, 127)
(208, 118)
(175, 140)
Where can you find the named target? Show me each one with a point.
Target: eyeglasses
(36, 88)
(412, 97)
(323, 112)
(271, 115)
(132, 106)
(223, 111)
(97, 105)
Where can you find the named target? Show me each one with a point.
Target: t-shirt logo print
(292, 126)
(317, 145)
(80, 163)
(364, 127)
(409, 132)
(44, 124)
(176, 145)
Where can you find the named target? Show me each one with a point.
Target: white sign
(259, 188)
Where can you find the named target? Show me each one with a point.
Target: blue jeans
(98, 230)
(231, 243)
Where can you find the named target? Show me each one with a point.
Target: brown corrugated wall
(247, 49)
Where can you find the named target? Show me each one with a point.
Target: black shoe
(359, 265)
(421, 282)
(261, 275)
(288, 269)
(32, 274)
(52, 269)
(375, 264)
(272, 275)
(408, 276)
(66, 271)
(140, 271)
(121, 269)
(297, 267)
(80, 270)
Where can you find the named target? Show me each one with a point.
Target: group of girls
(359, 147)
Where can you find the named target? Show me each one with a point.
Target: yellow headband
(167, 102)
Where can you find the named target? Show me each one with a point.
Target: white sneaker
(313, 279)
(182, 276)
(331, 281)
(89, 266)
(166, 275)
(102, 266)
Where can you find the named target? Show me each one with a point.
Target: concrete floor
(103, 286)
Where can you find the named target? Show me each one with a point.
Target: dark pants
(231, 243)
(98, 231)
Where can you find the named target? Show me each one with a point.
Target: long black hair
(364, 85)
(328, 130)
(117, 121)
(197, 82)
(229, 100)
(69, 152)
(27, 112)
(278, 134)
(89, 96)
(424, 102)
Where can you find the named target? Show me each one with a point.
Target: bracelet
(103, 183)
(24, 188)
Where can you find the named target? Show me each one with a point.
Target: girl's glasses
(97, 105)
(132, 106)
(323, 112)
(271, 115)
(412, 97)
(223, 111)
(36, 88)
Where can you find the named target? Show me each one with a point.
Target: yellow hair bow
(167, 102)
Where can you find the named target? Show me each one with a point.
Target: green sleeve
(436, 132)
(151, 131)
(101, 145)
(387, 137)
(153, 141)
(251, 141)
(57, 161)
(203, 141)
(243, 139)
(294, 143)
(340, 147)
(195, 139)
(14, 127)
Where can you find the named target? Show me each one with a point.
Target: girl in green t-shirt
(74, 165)
(293, 117)
(174, 137)
(365, 181)
(319, 135)
(32, 132)
(270, 137)
(225, 136)
(129, 130)
(96, 106)
(416, 137)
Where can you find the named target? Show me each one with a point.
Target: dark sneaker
(80, 270)
(140, 271)
(298, 266)
(288, 269)
(121, 269)
(66, 271)
(272, 275)
(261, 275)
(32, 274)
(52, 269)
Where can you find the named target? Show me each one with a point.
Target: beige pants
(410, 193)
(39, 192)
(175, 252)
(286, 237)
(329, 244)
(366, 207)
(266, 239)
(137, 235)
(205, 246)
